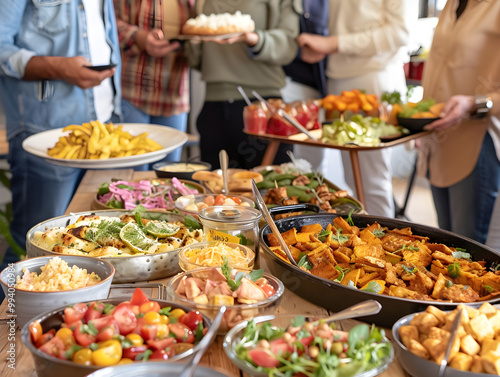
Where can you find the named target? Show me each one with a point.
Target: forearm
(44, 68)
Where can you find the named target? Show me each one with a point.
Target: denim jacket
(48, 28)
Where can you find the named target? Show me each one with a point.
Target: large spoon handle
(189, 369)
(364, 308)
(223, 160)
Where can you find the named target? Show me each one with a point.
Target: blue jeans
(132, 114)
(466, 207)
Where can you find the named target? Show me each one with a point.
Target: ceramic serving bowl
(153, 369)
(187, 256)
(27, 304)
(234, 313)
(49, 366)
(415, 125)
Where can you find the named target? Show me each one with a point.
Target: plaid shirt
(157, 86)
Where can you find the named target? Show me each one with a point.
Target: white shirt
(100, 54)
(372, 34)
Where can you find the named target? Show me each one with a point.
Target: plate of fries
(96, 145)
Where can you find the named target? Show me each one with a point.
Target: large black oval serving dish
(335, 296)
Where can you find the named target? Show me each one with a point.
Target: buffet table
(215, 357)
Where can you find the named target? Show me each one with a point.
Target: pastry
(217, 24)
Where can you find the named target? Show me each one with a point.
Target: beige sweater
(464, 59)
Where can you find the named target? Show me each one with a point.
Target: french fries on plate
(99, 141)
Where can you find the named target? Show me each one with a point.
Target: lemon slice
(135, 238)
(161, 229)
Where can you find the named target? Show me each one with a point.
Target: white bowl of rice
(37, 285)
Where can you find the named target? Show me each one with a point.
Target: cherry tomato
(75, 313)
(66, 336)
(108, 353)
(132, 352)
(158, 355)
(151, 306)
(106, 333)
(236, 200)
(54, 347)
(152, 318)
(139, 298)
(148, 332)
(191, 319)
(94, 311)
(125, 317)
(82, 338)
(263, 358)
(35, 331)
(136, 339)
(161, 344)
(176, 313)
(182, 332)
(268, 290)
(102, 322)
(140, 322)
(219, 200)
(83, 356)
(44, 338)
(209, 200)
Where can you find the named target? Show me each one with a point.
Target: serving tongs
(263, 208)
(451, 341)
(284, 115)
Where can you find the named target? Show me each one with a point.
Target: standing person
(461, 159)
(155, 76)
(253, 61)
(44, 84)
(307, 81)
(366, 48)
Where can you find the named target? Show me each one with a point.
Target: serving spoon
(364, 308)
(189, 369)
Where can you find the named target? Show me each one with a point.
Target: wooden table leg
(271, 150)
(356, 170)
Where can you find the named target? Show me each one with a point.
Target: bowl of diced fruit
(192, 204)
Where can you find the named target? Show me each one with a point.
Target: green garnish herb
(298, 321)
(373, 287)
(94, 346)
(104, 231)
(448, 283)
(341, 238)
(244, 240)
(144, 356)
(198, 333)
(69, 353)
(165, 311)
(304, 262)
(234, 284)
(126, 343)
(192, 223)
(488, 288)
(108, 308)
(349, 217)
(89, 328)
(409, 270)
(323, 235)
(342, 273)
(454, 270)
(459, 254)
(378, 232)
(407, 247)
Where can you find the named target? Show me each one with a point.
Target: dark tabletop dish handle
(278, 210)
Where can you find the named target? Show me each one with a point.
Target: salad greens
(254, 275)
(312, 350)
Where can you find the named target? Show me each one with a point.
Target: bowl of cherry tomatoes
(78, 339)
(193, 204)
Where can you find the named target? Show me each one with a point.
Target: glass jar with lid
(234, 224)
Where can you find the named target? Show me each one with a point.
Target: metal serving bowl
(50, 366)
(417, 366)
(30, 303)
(128, 269)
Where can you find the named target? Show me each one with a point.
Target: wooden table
(215, 356)
(301, 138)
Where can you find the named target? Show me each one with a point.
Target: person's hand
(72, 70)
(456, 109)
(310, 56)
(154, 44)
(318, 43)
(249, 39)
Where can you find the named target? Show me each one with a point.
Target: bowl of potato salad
(140, 245)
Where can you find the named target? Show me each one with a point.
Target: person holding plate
(45, 47)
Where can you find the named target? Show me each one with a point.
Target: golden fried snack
(98, 141)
